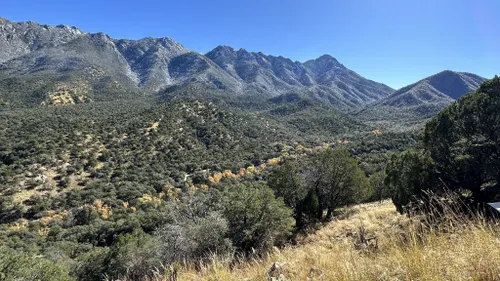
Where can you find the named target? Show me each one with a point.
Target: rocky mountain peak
(324, 64)
(224, 49)
(169, 42)
(327, 59)
(100, 36)
(441, 76)
(21, 38)
(454, 84)
(223, 56)
(244, 54)
(165, 42)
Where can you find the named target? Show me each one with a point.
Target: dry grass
(397, 249)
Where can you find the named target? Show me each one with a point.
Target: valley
(142, 160)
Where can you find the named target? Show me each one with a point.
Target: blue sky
(396, 42)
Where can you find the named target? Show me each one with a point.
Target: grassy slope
(468, 252)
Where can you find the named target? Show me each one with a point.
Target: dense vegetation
(128, 190)
(459, 153)
(119, 188)
(443, 183)
(327, 181)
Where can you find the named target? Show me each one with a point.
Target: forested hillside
(76, 180)
(458, 154)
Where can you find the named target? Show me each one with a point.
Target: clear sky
(396, 42)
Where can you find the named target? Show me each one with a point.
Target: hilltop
(426, 97)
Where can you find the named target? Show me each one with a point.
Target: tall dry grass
(374, 242)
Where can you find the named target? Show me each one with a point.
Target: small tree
(336, 179)
(409, 174)
(379, 189)
(288, 183)
(9, 210)
(257, 219)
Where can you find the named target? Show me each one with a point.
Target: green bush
(16, 266)
(257, 219)
(409, 175)
(133, 256)
(194, 238)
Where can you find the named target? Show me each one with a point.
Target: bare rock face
(323, 79)
(149, 59)
(36, 59)
(17, 39)
(51, 55)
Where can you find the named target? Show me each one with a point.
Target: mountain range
(80, 66)
(47, 65)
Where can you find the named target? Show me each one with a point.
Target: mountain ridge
(324, 78)
(446, 84)
(427, 96)
(61, 55)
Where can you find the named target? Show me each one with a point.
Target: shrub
(194, 238)
(257, 219)
(17, 266)
(409, 174)
(133, 256)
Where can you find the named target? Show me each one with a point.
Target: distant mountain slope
(149, 59)
(17, 39)
(445, 86)
(323, 79)
(425, 97)
(42, 64)
(330, 73)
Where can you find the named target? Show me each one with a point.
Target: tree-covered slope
(458, 155)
